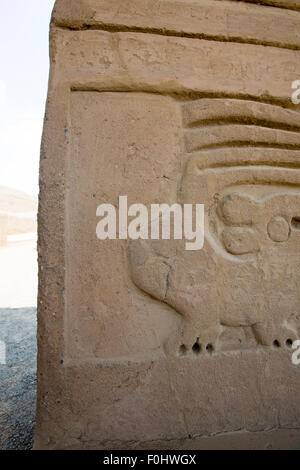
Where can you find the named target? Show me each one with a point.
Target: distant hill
(12, 200)
(18, 213)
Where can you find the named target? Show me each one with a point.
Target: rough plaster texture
(143, 344)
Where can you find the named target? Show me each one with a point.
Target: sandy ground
(18, 291)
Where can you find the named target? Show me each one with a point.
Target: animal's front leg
(148, 270)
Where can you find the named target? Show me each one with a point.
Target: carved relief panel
(143, 341)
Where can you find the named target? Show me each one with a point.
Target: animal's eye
(295, 224)
(237, 209)
(278, 229)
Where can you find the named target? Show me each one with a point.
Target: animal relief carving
(242, 288)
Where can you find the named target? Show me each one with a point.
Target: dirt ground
(18, 378)
(18, 290)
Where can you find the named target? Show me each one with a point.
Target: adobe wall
(143, 343)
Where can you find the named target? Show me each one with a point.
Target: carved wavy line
(189, 97)
(239, 135)
(247, 120)
(233, 156)
(249, 144)
(185, 96)
(230, 110)
(244, 164)
(112, 28)
(273, 4)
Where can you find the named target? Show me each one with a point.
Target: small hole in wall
(182, 350)
(209, 348)
(276, 343)
(289, 343)
(295, 223)
(196, 348)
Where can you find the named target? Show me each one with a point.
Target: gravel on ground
(17, 378)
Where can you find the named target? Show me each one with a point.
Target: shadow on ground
(17, 378)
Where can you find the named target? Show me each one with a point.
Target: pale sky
(24, 69)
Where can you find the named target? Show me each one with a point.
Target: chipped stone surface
(170, 107)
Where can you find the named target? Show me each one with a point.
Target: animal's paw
(191, 342)
(268, 335)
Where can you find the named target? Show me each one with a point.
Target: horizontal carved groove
(112, 28)
(239, 166)
(247, 155)
(246, 163)
(246, 120)
(275, 4)
(185, 97)
(240, 135)
(224, 111)
(241, 144)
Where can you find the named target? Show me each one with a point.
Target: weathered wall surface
(170, 101)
